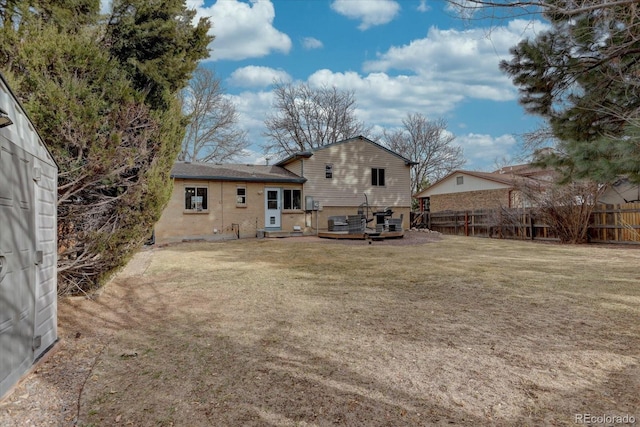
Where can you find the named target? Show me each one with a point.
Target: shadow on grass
(181, 358)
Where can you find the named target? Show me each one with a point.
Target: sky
(398, 57)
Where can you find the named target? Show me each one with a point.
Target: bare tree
(212, 134)
(429, 145)
(565, 208)
(487, 8)
(307, 117)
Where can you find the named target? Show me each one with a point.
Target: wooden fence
(608, 224)
(616, 224)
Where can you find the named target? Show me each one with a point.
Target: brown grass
(284, 333)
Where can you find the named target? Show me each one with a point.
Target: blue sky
(399, 57)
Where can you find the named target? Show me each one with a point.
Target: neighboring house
(621, 191)
(470, 190)
(28, 246)
(296, 195)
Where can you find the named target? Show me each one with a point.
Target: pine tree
(582, 77)
(156, 43)
(114, 138)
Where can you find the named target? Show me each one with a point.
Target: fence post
(466, 224)
(455, 223)
(531, 226)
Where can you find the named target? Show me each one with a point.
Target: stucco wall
(470, 200)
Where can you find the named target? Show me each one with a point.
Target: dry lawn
(461, 331)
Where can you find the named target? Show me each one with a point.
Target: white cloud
(464, 9)
(252, 109)
(423, 6)
(465, 59)
(259, 77)
(252, 157)
(311, 43)
(385, 100)
(370, 13)
(484, 151)
(242, 30)
(431, 76)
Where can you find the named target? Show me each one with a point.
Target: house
(211, 202)
(470, 190)
(296, 195)
(620, 192)
(28, 246)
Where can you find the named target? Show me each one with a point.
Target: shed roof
(19, 105)
(234, 172)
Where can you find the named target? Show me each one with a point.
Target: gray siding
(46, 273)
(28, 246)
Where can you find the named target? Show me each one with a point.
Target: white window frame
(241, 199)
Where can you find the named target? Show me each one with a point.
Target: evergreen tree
(581, 76)
(156, 43)
(114, 142)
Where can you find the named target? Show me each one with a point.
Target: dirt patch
(290, 332)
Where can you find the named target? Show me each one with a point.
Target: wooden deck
(368, 234)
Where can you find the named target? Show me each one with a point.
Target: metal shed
(28, 248)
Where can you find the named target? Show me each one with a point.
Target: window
(292, 199)
(328, 171)
(459, 180)
(377, 177)
(273, 196)
(195, 198)
(241, 196)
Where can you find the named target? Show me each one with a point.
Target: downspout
(221, 210)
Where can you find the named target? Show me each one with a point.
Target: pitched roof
(526, 169)
(508, 175)
(16, 100)
(309, 153)
(234, 172)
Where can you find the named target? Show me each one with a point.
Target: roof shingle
(234, 172)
